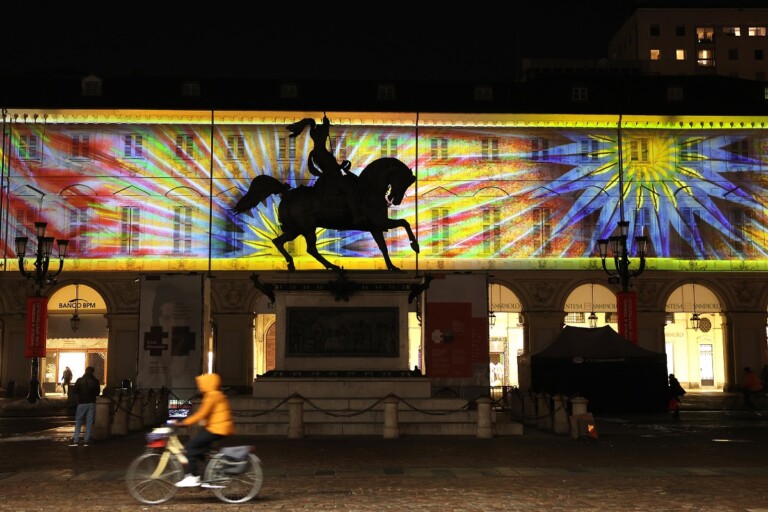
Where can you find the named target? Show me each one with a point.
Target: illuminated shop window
(440, 230)
(541, 231)
(235, 147)
(705, 34)
(130, 229)
(438, 148)
(182, 229)
(389, 146)
(78, 232)
(491, 230)
(539, 149)
(29, 147)
(286, 148)
(489, 148)
(185, 147)
(133, 145)
(81, 147)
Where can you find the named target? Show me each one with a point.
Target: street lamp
(41, 277)
(621, 274)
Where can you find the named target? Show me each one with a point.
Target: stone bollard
(101, 421)
(529, 410)
(560, 413)
(296, 417)
(150, 409)
(484, 425)
(543, 414)
(136, 418)
(578, 412)
(120, 420)
(162, 404)
(391, 426)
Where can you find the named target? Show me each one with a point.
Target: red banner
(626, 307)
(37, 326)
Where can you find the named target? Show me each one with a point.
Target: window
(758, 54)
(733, 54)
(690, 151)
(388, 146)
(705, 58)
(81, 147)
(739, 150)
(655, 54)
(129, 229)
(680, 30)
(440, 232)
(235, 147)
(289, 91)
(185, 147)
(542, 231)
(190, 89)
(690, 221)
(438, 147)
(579, 94)
(705, 34)
(643, 226)
(589, 150)
(655, 30)
(491, 231)
(674, 94)
(339, 147)
(574, 318)
(78, 232)
(539, 149)
(233, 237)
(489, 148)
(25, 219)
(90, 86)
(182, 229)
(588, 227)
(385, 92)
(612, 318)
(730, 30)
(133, 145)
(286, 148)
(756, 31)
(393, 235)
(680, 54)
(638, 150)
(483, 93)
(29, 147)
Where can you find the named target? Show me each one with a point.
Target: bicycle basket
(158, 438)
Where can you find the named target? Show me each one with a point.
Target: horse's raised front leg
(402, 223)
(280, 242)
(378, 236)
(311, 239)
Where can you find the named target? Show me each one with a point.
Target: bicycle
(233, 473)
(735, 404)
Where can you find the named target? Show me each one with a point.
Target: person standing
(676, 393)
(66, 379)
(86, 391)
(215, 415)
(752, 385)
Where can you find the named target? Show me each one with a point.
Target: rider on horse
(322, 163)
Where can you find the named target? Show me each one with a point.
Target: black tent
(604, 367)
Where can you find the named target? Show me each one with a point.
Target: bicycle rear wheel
(153, 490)
(237, 488)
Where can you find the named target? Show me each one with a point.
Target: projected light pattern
(134, 196)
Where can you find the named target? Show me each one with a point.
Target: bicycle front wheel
(150, 489)
(237, 488)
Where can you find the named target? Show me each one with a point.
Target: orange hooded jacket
(214, 413)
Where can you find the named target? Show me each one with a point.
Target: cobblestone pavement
(701, 463)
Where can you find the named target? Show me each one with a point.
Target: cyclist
(215, 415)
(752, 385)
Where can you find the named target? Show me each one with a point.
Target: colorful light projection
(519, 192)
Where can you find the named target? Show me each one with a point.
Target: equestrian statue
(338, 199)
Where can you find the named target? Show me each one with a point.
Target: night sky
(391, 40)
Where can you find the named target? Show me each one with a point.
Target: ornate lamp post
(621, 273)
(35, 313)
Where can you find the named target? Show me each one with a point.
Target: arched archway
(591, 300)
(694, 339)
(505, 335)
(77, 335)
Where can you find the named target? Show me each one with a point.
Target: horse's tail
(261, 188)
(298, 127)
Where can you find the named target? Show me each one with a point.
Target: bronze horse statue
(303, 209)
